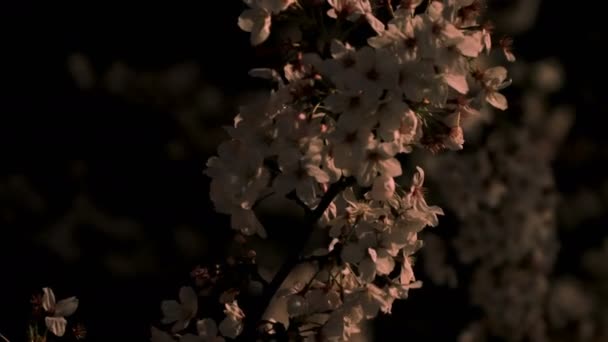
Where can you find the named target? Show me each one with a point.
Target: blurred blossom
(189, 241)
(505, 199)
(548, 76)
(517, 16)
(17, 196)
(82, 71)
(179, 90)
(584, 204)
(64, 236)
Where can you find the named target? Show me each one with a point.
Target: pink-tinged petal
(457, 81)
(367, 270)
(66, 307)
(469, 46)
(248, 18)
(509, 55)
(495, 75)
(230, 327)
(435, 10)
(171, 311)
(383, 188)
(497, 100)
(366, 174)
(261, 31)
(189, 300)
(407, 273)
(487, 41)
(391, 167)
(418, 179)
(384, 262)
(246, 222)
(56, 325)
(48, 299)
(319, 175)
(376, 24)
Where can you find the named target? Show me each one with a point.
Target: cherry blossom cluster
(505, 199)
(329, 136)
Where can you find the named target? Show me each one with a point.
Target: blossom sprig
(52, 314)
(329, 136)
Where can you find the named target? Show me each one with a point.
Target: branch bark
(293, 258)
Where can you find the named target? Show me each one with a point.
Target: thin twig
(261, 199)
(294, 196)
(4, 338)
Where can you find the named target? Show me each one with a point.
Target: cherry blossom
(57, 311)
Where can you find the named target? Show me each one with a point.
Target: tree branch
(294, 197)
(293, 258)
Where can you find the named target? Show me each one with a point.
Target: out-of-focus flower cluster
(329, 136)
(179, 90)
(504, 197)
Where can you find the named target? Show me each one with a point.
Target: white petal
(158, 335)
(376, 24)
(366, 174)
(260, 31)
(339, 49)
(189, 300)
(383, 188)
(247, 223)
(48, 299)
(171, 311)
(487, 41)
(297, 305)
(407, 273)
(451, 33)
(56, 325)
(391, 167)
(510, 56)
(66, 307)
(367, 270)
(457, 81)
(435, 10)
(495, 75)
(418, 179)
(469, 46)
(247, 19)
(207, 328)
(265, 73)
(497, 100)
(319, 175)
(231, 328)
(384, 262)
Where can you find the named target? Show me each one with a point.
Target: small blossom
(182, 312)
(258, 18)
(232, 325)
(57, 311)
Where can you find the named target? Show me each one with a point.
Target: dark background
(58, 141)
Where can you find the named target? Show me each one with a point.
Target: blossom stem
(293, 257)
(4, 338)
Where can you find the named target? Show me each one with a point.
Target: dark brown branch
(293, 258)
(294, 197)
